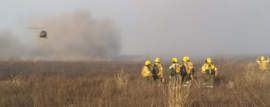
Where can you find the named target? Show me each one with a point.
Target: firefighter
(157, 71)
(209, 72)
(262, 63)
(191, 68)
(174, 70)
(146, 70)
(185, 71)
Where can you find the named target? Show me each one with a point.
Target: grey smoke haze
(79, 36)
(73, 35)
(10, 45)
(182, 27)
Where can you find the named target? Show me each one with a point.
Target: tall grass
(122, 78)
(176, 94)
(89, 84)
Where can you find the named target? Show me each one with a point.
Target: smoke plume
(10, 46)
(70, 36)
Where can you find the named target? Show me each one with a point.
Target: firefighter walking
(262, 63)
(157, 71)
(186, 70)
(174, 70)
(209, 72)
(191, 68)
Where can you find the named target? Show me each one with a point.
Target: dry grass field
(118, 84)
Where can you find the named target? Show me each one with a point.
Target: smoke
(71, 36)
(10, 46)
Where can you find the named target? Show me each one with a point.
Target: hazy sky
(191, 27)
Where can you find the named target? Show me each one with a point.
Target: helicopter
(42, 34)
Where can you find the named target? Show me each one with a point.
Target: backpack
(155, 69)
(172, 72)
(183, 70)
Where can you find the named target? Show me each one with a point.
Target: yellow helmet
(185, 59)
(147, 62)
(209, 60)
(174, 60)
(157, 60)
(188, 59)
(262, 58)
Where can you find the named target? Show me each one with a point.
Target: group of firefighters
(185, 70)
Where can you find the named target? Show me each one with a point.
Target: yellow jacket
(209, 69)
(160, 72)
(188, 65)
(175, 66)
(263, 64)
(145, 71)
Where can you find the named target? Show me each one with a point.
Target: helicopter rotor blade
(33, 28)
(51, 28)
(43, 28)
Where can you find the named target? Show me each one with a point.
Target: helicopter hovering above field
(43, 33)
